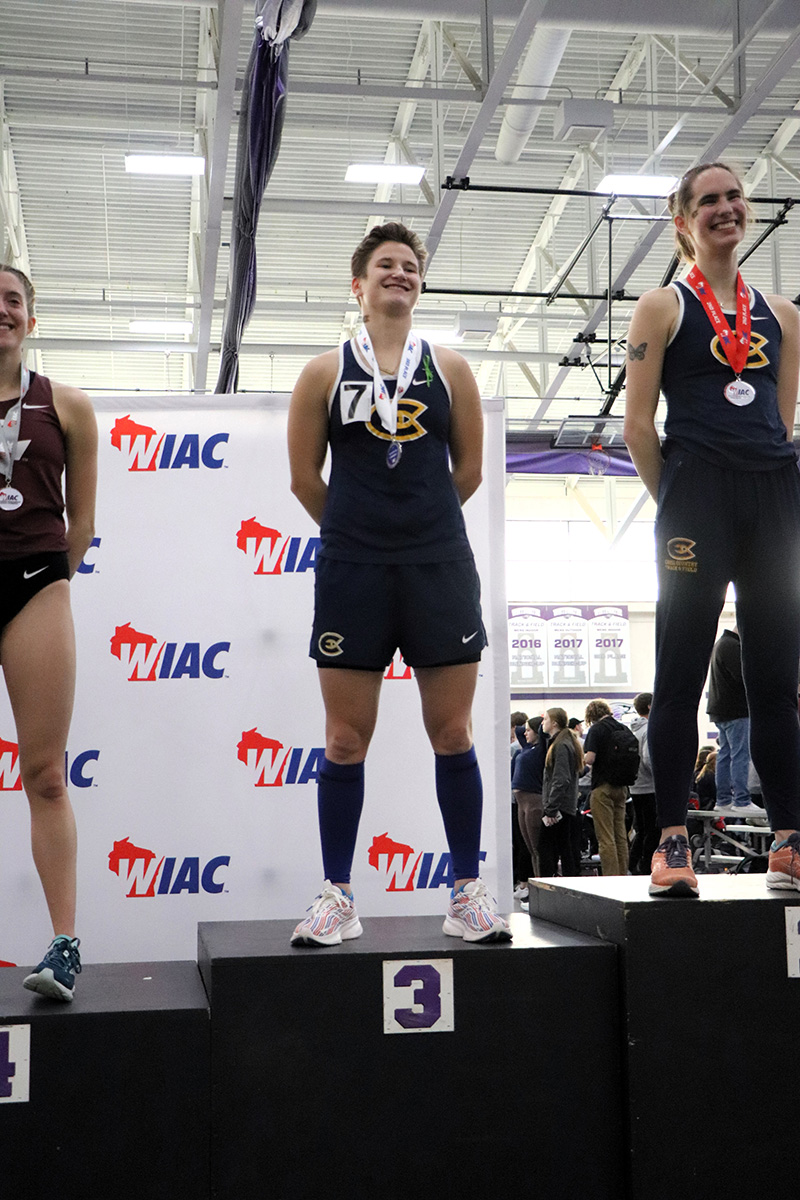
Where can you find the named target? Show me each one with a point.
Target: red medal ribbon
(736, 347)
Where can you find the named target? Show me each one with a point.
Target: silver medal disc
(740, 393)
(10, 499)
(393, 454)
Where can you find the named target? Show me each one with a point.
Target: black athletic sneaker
(55, 974)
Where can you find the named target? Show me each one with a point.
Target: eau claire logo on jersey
(356, 404)
(275, 764)
(681, 555)
(756, 357)
(274, 553)
(145, 449)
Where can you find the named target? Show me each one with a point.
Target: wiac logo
(405, 869)
(146, 659)
(145, 449)
(9, 767)
(75, 769)
(276, 765)
(272, 553)
(146, 874)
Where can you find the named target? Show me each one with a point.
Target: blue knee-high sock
(340, 797)
(459, 790)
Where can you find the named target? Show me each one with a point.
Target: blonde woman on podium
(727, 488)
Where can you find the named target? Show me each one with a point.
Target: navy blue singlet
(695, 372)
(407, 514)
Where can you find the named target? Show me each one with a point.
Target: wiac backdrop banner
(198, 725)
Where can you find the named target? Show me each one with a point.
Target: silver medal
(740, 393)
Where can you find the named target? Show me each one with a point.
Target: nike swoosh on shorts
(30, 574)
(469, 639)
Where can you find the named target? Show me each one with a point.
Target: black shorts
(22, 578)
(363, 612)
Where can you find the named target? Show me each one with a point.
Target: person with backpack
(612, 751)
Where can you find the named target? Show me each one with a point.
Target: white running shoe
(332, 919)
(471, 915)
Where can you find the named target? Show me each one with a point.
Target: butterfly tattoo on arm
(637, 352)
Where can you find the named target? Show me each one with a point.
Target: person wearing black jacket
(727, 707)
(561, 821)
(526, 783)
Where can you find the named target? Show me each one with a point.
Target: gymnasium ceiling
(85, 82)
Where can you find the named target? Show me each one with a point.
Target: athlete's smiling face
(15, 320)
(716, 216)
(392, 282)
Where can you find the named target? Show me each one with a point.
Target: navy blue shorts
(363, 612)
(22, 578)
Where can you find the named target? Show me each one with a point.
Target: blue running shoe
(55, 974)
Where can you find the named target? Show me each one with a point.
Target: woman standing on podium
(403, 420)
(727, 488)
(46, 429)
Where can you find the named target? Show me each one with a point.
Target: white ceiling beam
(668, 44)
(504, 69)
(546, 231)
(300, 349)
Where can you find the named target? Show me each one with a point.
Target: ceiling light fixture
(637, 185)
(164, 164)
(160, 327)
(383, 173)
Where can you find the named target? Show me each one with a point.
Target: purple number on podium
(8, 1069)
(429, 996)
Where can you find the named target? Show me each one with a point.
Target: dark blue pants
(715, 525)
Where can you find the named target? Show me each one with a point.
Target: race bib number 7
(355, 401)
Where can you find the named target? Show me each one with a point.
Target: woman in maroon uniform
(46, 429)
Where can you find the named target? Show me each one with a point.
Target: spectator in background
(561, 821)
(576, 725)
(705, 785)
(727, 707)
(607, 799)
(527, 786)
(521, 864)
(643, 797)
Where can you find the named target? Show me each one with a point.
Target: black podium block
(311, 1097)
(118, 1102)
(711, 1019)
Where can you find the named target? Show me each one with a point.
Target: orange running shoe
(784, 864)
(672, 873)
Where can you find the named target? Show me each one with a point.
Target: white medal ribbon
(9, 428)
(409, 361)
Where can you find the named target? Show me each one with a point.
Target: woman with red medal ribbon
(727, 487)
(46, 430)
(404, 424)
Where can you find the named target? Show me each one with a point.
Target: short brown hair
(392, 231)
(596, 710)
(680, 199)
(27, 286)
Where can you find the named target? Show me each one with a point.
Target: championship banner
(199, 730)
(569, 645)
